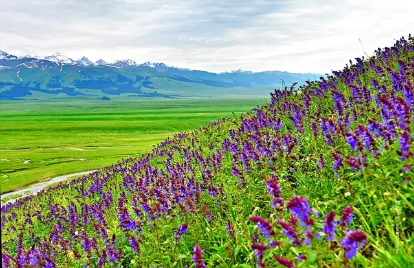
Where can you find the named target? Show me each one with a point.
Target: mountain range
(57, 76)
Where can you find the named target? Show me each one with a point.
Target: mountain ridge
(85, 61)
(60, 76)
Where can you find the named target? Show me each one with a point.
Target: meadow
(43, 139)
(320, 176)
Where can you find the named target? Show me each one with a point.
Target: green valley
(43, 139)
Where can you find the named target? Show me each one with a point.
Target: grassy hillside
(319, 177)
(43, 139)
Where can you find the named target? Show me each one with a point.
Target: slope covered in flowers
(321, 176)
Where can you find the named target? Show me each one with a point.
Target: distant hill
(58, 76)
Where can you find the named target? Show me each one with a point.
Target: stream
(35, 188)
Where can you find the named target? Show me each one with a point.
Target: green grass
(10, 197)
(43, 139)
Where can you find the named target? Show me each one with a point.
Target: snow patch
(59, 58)
(17, 74)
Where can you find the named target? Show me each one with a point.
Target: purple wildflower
(356, 93)
(301, 257)
(402, 112)
(73, 216)
(339, 102)
(277, 124)
(236, 172)
(102, 258)
(406, 168)
(33, 257)
(285, 262)
(374, 84)
(5, 260)
(245, 161)
(49, 263)
(299, 208)
(353, 141)
(408, 93)
(374, 127)
(259, 250)
(338, 96)
(354, 162)
(308, 236)
(274, 243)
(21, 257)
(274, 189)
(321, 162)
(329, 226)
(133, 243)
(197, 257)
(338, 161)
(86, 244)
(346, 216)
(329, 130)
(288, 142)
(404, 140)
(386, 108)
(182, 229)
(366, 136)
(264, 226)
(289, 232)
(353, 241)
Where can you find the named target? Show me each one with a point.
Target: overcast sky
(295, 36)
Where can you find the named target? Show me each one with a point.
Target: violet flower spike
(329, 226)
(134, 244)
(299, 208)
(346, 216)
(197, 257)
(264, 226)
(284, 262)
(274, 189)
(259, 250)
(289, 232)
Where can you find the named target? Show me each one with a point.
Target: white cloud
(295, 36)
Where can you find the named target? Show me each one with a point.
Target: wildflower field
(321, 176)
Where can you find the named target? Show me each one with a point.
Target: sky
(300, 36)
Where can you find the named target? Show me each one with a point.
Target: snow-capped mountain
(101, 62)
(59, 58)
(123, 63)
(84, 61)
(23, 76)
(6, 56)
(161, 67)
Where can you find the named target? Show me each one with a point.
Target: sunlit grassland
(43, 139)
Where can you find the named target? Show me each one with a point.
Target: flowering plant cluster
(305, 236)
(341, 147)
